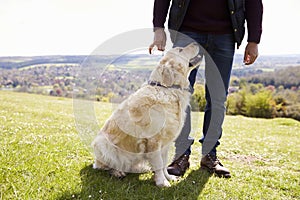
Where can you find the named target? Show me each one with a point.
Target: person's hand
(159, 40)
(251, 53)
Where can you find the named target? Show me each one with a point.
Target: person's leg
(184, 141)
(217, 73)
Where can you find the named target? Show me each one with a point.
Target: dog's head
(174, 68)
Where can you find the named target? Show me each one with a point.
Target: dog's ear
(167, 77)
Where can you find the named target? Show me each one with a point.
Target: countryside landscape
(44, 157)
(267, 89)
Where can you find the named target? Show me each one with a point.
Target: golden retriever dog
(143, 127)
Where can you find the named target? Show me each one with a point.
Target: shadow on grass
(98, 184)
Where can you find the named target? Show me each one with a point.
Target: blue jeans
(218, 51)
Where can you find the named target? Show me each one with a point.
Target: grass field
(43, 157)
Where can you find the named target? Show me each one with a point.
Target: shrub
(260, 105)
(198, 101)
(293, 111)
(235, 103)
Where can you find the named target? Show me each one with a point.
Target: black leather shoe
(179, 166)
(213, 165)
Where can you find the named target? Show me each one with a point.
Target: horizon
(144, 54)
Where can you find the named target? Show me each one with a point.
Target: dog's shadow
(98, 184)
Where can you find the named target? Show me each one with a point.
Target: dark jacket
(236, 8)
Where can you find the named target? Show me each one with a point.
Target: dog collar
(156, 83)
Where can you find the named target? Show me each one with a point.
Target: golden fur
(142, 128)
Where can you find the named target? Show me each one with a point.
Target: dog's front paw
(117, 173)
(169, 176)
(163, 183)
(172, 177)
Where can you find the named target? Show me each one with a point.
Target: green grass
(43, 157)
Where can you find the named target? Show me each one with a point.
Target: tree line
(268, 95)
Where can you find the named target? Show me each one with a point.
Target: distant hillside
(288, 77)
(112, 78)
(16, 62)
(274, 60)
(263, 62)
(19, 62)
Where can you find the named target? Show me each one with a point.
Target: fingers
(160, 46)
(251, 53)
(150, 48)
(249, 59)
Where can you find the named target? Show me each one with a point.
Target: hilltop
(43, 156)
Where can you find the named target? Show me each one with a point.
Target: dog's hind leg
(117, 173)
(100, 165)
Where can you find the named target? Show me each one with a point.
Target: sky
(78, 27)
